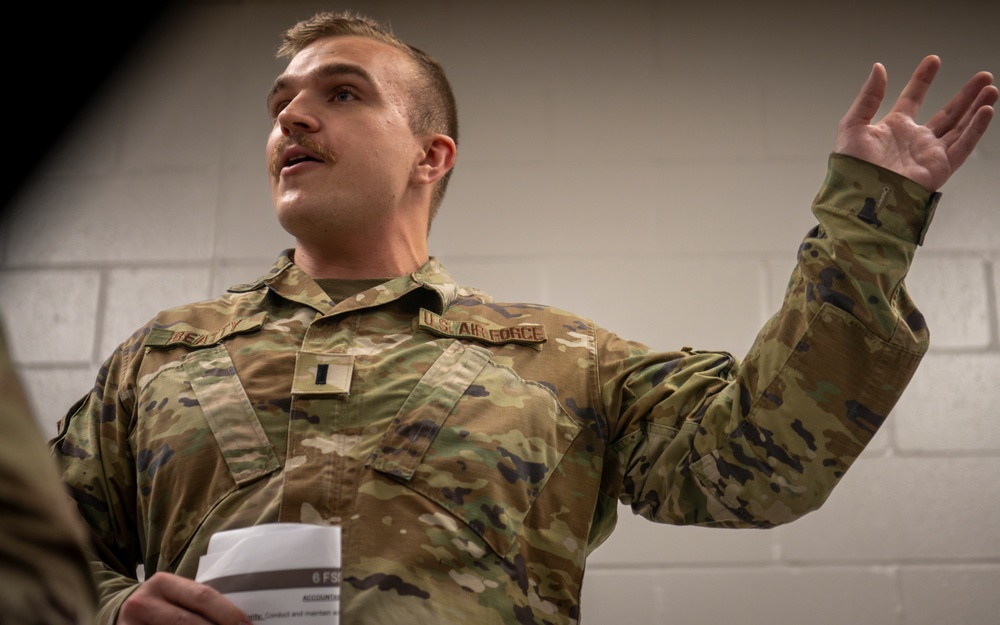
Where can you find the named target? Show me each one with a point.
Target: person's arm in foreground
(42, 561)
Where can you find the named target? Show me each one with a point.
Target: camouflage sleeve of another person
(42, 565)
(702, 439)
(98, 467)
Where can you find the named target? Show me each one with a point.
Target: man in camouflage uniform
(474, 452)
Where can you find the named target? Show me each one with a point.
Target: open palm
(927, 154)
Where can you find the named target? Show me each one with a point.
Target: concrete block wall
(648, 164)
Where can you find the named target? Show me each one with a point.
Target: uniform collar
(289, 282)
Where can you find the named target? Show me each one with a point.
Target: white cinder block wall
(649, 165)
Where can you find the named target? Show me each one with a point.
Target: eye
(343, 94)
(277, 108)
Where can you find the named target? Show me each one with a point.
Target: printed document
(278, 574)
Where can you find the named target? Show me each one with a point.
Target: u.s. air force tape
(524, 334)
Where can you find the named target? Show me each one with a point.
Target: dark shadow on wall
(56, 61)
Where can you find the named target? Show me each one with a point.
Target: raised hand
(927, 154)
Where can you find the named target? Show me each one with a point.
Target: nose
(297, 116)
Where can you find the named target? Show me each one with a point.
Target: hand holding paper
(279, 574)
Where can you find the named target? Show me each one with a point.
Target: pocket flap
(428, 405)
(245, 447)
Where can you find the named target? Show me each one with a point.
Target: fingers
(868, 99)
(168, 598)
(958, 112)
(913, 93)
(970, 136)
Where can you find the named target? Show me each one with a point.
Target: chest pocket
(477, 440)
(197, 440)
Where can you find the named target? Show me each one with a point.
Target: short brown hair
(434, 109)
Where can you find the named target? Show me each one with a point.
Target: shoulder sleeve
(94, 453)
(698, 438)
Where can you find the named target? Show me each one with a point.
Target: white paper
(278, 574)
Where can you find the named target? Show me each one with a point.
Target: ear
(438, 157)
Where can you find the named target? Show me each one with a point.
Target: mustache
(302, 139)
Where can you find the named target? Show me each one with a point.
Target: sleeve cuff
(878, 197)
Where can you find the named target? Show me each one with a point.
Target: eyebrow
(323, 71)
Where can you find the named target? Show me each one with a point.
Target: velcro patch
(169, 337)
(322, 374)
(526, 334)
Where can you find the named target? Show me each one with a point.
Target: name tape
(167, 337)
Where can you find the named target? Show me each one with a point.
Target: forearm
(763, 442)
(826, 371)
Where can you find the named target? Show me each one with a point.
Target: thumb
(868, 99)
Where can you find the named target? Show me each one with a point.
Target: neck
(365, 242)
(382, 261)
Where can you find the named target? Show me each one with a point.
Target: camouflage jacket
(474, 452)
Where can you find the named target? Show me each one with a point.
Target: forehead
(385, 66)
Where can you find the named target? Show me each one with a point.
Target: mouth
(294, 153)
(298, 158)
